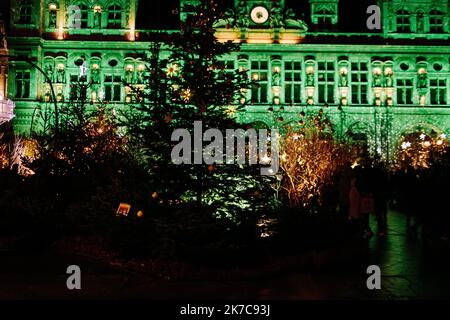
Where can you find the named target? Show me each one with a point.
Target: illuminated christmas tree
(191, 85)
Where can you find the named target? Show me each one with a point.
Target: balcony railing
(6, 110)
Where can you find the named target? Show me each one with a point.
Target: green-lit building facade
(375, 85)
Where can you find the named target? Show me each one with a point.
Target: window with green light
(114, 16)
(359, 82)
(438, 91)
(404, 91)
(259, 73)
(113, 88)
(25, 10)
(436, 21)
(326, 73)
(324, 17)
(23, 78)
(403, 21)
(293, 81)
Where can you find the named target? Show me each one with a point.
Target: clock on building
(259, 14)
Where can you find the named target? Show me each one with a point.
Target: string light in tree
(186, 95)
(173, 70)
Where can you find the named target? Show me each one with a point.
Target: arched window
(25, 9)
(84, 15)
(324, 17)
(114, 16)
(403, 21)
(436, 21)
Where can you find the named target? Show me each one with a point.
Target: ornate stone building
(374, 85)
(6, 106)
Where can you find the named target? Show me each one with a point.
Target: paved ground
(409, 269)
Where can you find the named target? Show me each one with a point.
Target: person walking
(380, 200)
(354, 206)
(344, 186)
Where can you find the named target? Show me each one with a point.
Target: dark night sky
(158, 13)
(155, 14)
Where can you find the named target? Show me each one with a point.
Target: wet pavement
(410, 267)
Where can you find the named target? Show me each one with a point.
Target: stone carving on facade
(420, 23)
(129, 76)
(292, 22)
(243, 20)
(3, 44)
(140, 76)
(389, 81)
(343, 78)
(276, 79)
(61, 75)
(239, 18)
(276, 17)
(98, 19)
(49, 72)
(2, 40)
(228, 20)
(310, 77)
(422, 79)
(377, 79)
(95, 75)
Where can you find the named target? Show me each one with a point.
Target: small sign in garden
(123, 210)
